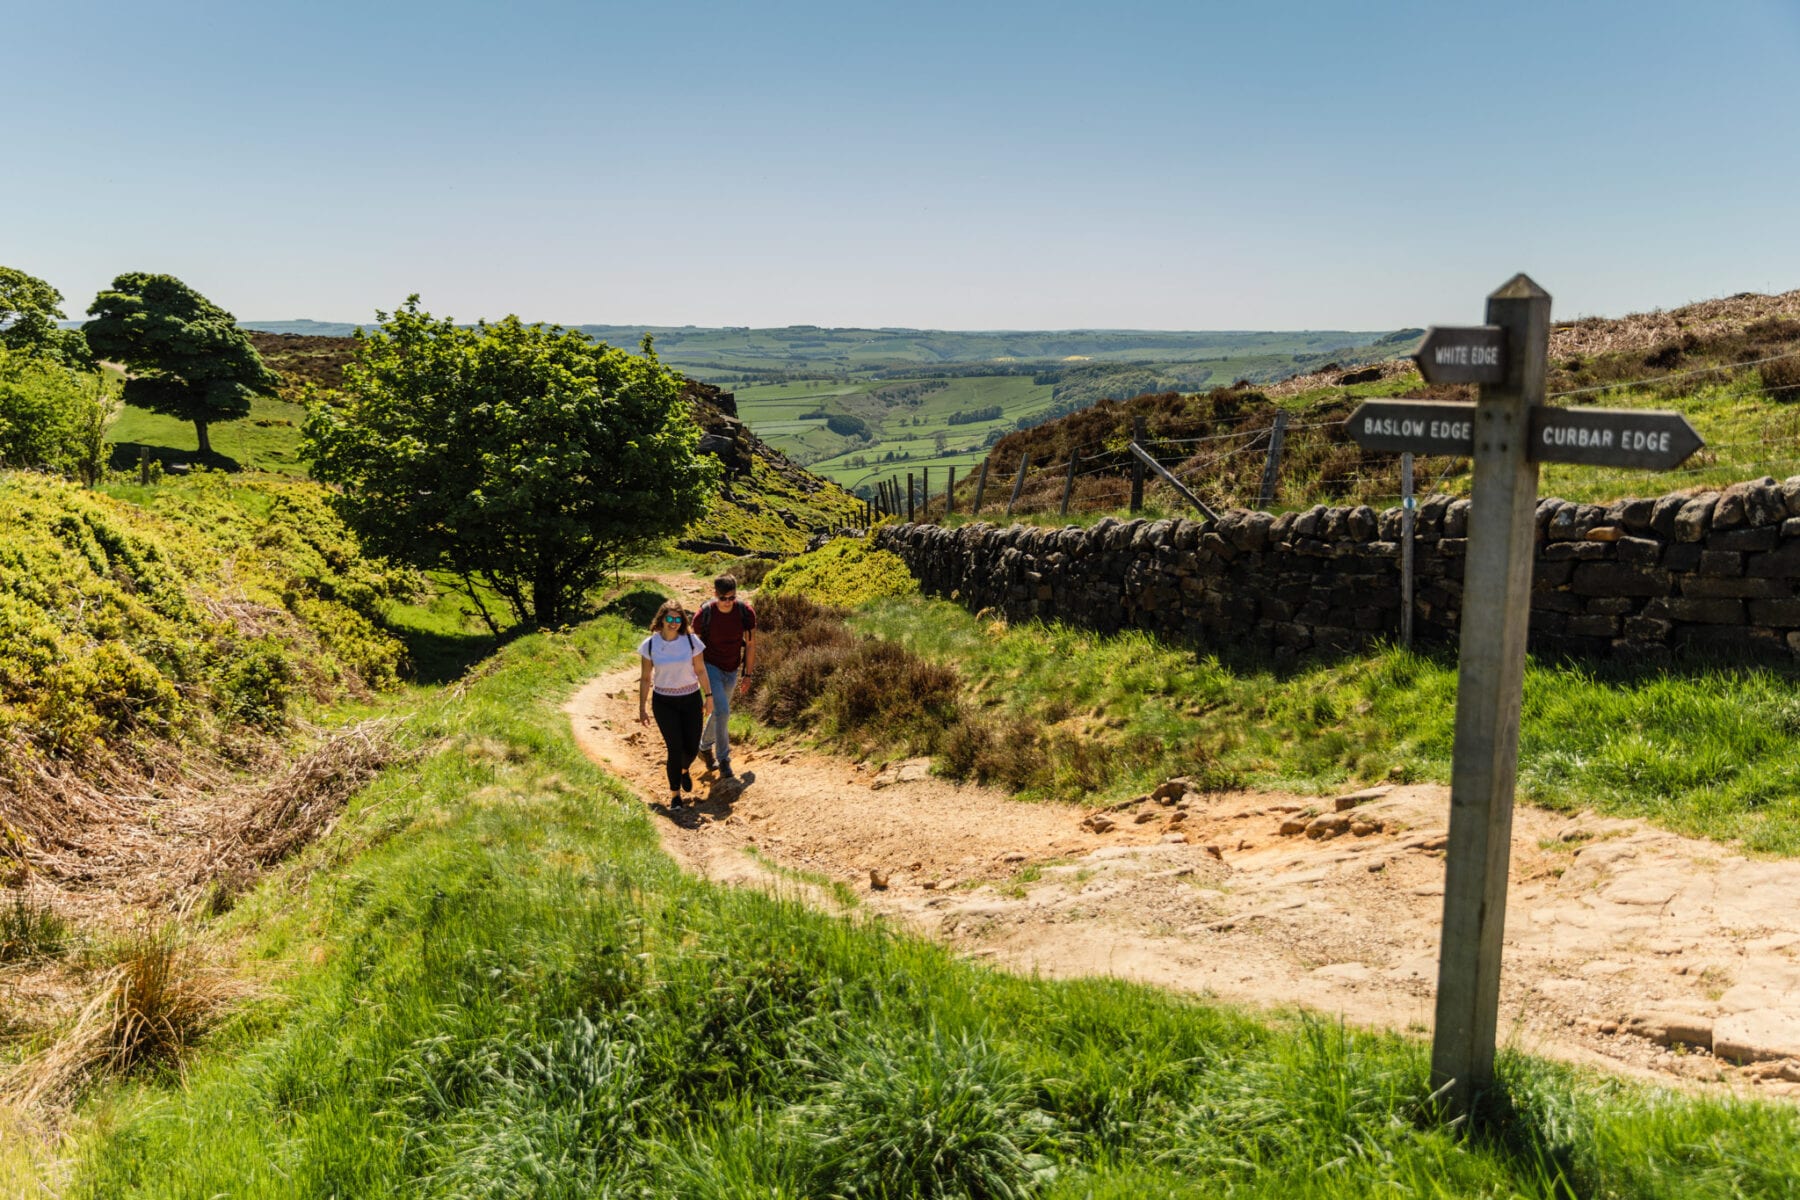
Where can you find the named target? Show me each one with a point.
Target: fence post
(1406, 549)
(144, 465)
(1490, 676)
(1138, 435)
(1069, 483)
(1144, 457)
(925, 494)
(1272, 467)
(1018, 483)
(909, 497)
(980, 487)
(950, 493)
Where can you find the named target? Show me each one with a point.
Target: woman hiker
(682, 700)
(727, 625)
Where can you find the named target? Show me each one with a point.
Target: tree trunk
(205, 441)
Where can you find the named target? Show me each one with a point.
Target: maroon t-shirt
(723, 632)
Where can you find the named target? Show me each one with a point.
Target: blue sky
(1035, 165)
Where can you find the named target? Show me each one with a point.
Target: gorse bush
(54, 417)
(209, 605)
(843, 573)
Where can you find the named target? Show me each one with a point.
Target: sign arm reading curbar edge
(1507, 432)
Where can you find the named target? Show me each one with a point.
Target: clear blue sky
(1022, 165)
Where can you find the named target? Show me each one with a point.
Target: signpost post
(1508, 431)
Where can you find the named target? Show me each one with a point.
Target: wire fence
(1313, 462)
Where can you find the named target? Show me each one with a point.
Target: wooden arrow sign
(1612, 437)
(1463, 354)
(1416, 426)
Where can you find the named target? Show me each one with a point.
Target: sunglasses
(727, 596)
(671, 620)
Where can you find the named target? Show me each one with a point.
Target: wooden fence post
(980, 487)
(1140, 436)
(1069, 483)
(950, 493)
(1018, 483)
(1490, 675)
(1272, 466)
(1144, 457)
(925, 494)
(1407, 509)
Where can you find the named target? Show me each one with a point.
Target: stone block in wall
(1363, 523)
(1369, 620)
(1694, 610)
(1764, 503)
(1456, 519)
(1695, 518)
(1617, 579)
(1252, 533)
(1721, 563)
(1682, 556)
(1431, 513)
(1578, 551)
(1790, 494)
(1647, 629)
(1728, 512)
(1662, 516)
(1572, 521)
(1749, 539)
(1551, 574)
(1637, 551)
(1546, 623)
(1740, 588)
(1785, 613)
(1633, 514)
(1547, 507)
(1390, 525)
(1591, 625)
(1378, 550)
(1611, 606)
(1782, 563)
(1452, 547)
(1746, 641)
(1562, 602)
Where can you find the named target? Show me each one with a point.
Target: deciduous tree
(187, 357)
(29, 312)
(522, 457)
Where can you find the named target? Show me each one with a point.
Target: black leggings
(678, 719)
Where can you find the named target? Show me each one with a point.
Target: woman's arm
(700, 674)
(644, 692)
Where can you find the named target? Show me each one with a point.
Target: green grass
(267, 440)
(1703, 752)
(490, 982)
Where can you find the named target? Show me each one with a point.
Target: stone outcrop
(1713, 572)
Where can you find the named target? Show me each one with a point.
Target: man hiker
(728, 628)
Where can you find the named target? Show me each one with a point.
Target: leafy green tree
(187, 357)
(29, 311)
(53, 417)
(521, 457)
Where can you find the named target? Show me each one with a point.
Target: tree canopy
(187, 357)
(29, 312)
(525, 458)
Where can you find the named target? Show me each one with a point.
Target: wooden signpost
(1508, 431)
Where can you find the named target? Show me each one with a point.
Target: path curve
(1623, 940)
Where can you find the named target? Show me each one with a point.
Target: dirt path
(1626, 947)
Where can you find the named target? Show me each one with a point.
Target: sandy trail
(1608, 920)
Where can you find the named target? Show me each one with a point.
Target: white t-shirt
(673, 662)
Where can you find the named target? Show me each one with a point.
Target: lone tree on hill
(525, 458)
(187, 357)
(29, 311)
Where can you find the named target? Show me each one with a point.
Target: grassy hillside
(489, 981)
(1732, 366)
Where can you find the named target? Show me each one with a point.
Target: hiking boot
(725, 771)
(687, 782)
(706, 756)
(676, 801)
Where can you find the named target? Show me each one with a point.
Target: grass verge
(1704, 752)
(490, 982)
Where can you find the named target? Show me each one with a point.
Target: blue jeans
(717, 734)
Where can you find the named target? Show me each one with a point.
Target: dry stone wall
(1715, 572)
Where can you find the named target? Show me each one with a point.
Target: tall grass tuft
(30, 929)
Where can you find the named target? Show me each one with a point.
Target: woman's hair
(669, 606)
